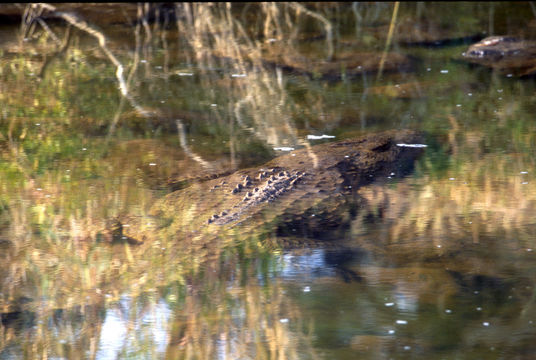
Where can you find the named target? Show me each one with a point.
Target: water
(438, 264)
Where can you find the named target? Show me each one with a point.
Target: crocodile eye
(383, 147)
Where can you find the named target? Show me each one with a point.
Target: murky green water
(438, 264)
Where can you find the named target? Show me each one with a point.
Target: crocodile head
(504, 53)
(385, 155)
(494, 48)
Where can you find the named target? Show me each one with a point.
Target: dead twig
(389, 39)
(101, 38)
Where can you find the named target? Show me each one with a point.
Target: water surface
(439, 264)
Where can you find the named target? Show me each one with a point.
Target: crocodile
(305, 192)
(506, 54)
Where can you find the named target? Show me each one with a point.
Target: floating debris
(284, 148)
(402, 322)
(412, 145)
(318, 137)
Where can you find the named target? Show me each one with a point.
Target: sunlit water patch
(122, 335)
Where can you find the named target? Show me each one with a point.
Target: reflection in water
(186, 148)
(438, 264)
(305, 267)
(112, 335)
(120, 334)
(322, 263)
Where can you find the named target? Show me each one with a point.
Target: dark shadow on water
(341, 260)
